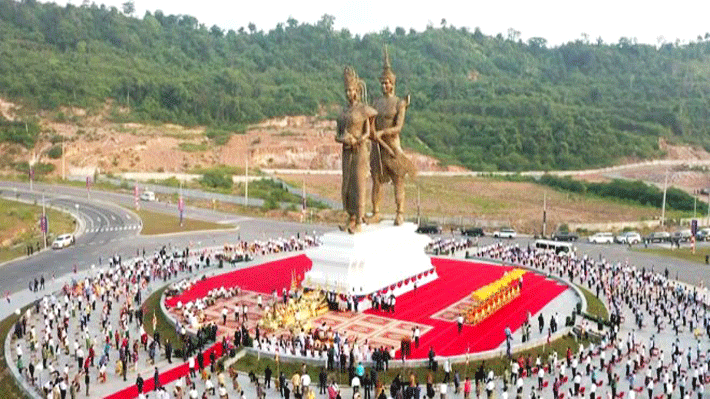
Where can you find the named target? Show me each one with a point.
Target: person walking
(156, 379)
(169, 351)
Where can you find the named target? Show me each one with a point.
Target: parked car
(705, 191)
(63, 241)
(473, 232)
(601, 238)
(505, 233)
(703, 234)
(565, 236)
(629, 237)
(429, 229)
(658, 236)
(681, 235)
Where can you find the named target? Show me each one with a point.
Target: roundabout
(432, 309)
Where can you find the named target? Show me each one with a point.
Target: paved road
(108, 229)
(112, 229)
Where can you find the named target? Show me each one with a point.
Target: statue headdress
(350, 79)
(387, 68)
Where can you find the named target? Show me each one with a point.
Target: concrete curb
(21, 381)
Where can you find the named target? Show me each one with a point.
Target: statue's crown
(387, 68)
(350, 78)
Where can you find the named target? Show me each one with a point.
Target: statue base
(382, 258)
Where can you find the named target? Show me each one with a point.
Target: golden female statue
(387, 160)
(354, 131)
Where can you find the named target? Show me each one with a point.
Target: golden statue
(355, 124)
(387, 161)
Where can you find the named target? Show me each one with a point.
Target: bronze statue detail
(387, 160)
(354, 130)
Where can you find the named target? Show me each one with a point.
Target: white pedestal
(380, 257)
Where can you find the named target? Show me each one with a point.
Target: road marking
(98, 219)
(113, 217)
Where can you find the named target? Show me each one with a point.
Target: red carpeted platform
(263, 278)
(458, 279)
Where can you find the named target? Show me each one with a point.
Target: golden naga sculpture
(354, 130)
(387, 160)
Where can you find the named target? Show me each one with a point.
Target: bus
(557, 246)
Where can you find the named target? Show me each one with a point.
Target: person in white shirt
(442, 390)
(355, 383)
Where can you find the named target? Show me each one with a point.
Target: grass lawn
(162, 223)
(152, 304)
(499, 365)
(595, 306)
(684, 253)
(19, 227)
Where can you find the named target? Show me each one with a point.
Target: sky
(558, 21)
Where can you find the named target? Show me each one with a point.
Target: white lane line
(113, 217)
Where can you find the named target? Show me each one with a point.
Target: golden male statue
(387, 160)
(354, 125)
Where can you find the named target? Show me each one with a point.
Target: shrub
(55, 152)
(216, 179)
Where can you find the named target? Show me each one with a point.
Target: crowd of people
(449, 245)
(271, 246)
(91, 331)
(627, 359)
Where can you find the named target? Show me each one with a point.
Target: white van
(147, 196)
(559, 247)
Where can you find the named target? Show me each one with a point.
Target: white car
(630, 237)
(505, 233)
(63, 241)
(147, 196)
(601, 238)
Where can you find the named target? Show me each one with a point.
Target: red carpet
(456, 280)
(166, 377)
(262, 278)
